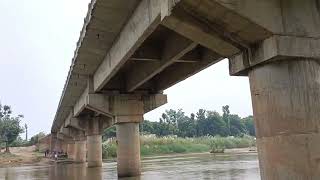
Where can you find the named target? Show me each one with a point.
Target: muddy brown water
(195, 166)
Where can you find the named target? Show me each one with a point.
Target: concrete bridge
(130, 51)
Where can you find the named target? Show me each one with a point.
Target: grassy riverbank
(151, 145)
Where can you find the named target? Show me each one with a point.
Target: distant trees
(34, 139)
(202, 123)
(9, 126)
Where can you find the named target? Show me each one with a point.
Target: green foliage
(34, 139)
(9, 125)
(204, 123)
(19, 142)
(200, 132)
(249, 125)
(152, 145)
(109, 149)
(109, 133)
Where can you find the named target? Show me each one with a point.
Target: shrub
(152, 145)
(109, 149)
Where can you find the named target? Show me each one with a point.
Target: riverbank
(21, 156)
(151, 146)
(156, 146)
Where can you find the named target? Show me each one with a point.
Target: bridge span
(130, 51)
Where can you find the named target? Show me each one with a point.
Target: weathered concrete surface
(128, 151)
(44, 143)
(94, 141)
(130, 51)
(286, 98)
(80, 151)
(71, 149)
(94, 146)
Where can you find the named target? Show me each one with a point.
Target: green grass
(152, 145)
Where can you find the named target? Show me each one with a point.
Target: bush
(19, 143)
(109, 149)
(152, 145)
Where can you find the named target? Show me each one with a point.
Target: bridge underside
(130, 51)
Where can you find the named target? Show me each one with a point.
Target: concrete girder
(142, 23)
(180, 71)
(95, 102)
(149, 52)
(189, 27)
(283, 17)
(95, 23)
(175, 47)
(275, 48)
(117, 104)
(60, 136)
(72, 122)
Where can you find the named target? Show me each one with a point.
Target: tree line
(202, 123)
(10, 129)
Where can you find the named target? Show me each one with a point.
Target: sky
(37, 41)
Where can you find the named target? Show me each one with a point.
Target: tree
(217, 123)
(34, 139)
(237, 127)
(9, 126)
(26, 128)
(225, 116)
(249, 125)
(110, 132)
(200, 116)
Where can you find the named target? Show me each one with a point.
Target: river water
(195, 166)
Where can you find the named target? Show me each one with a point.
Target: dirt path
(22, 156)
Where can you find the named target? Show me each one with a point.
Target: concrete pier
(286, 98)
(94, 145)
(94, 127)
(80, 151)
(128, 151)
(71, 150)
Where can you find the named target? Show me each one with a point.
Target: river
(192, 166)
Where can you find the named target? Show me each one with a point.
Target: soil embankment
(20, 156)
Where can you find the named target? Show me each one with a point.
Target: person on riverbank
(46, 153)
(56, 156)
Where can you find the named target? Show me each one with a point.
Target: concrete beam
(277, 47)
(96, 102)
(141, 24)
(199, 32)
(60, 136)
(295, 18)
(72, 122)
(147, 52)
(175, 47)
(180, 71)
(151, 102)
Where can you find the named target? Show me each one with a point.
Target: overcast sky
(38, 38)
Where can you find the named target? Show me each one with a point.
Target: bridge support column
(58, 146)
(53, 140)
(94, 142)
(286, 107)
(128, 111)
(128, 151)
(71, 150)
(80, 151)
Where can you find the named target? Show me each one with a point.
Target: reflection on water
(204, 166)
